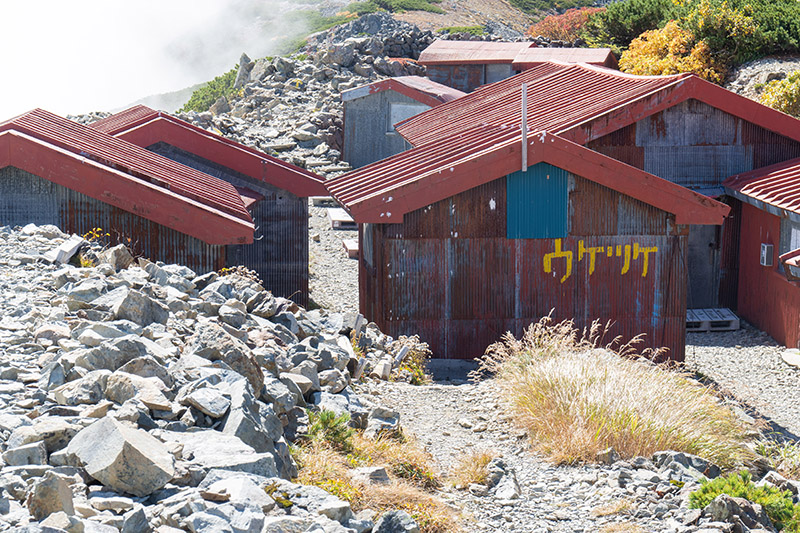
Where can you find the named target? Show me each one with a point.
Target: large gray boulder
(396, 522)
(212, 342)
(139, 308)
(124, 458)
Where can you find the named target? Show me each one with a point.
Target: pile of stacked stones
(139, 396)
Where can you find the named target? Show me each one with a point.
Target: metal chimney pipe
(524, 132)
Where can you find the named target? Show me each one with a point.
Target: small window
(537, 203)
(400, 112)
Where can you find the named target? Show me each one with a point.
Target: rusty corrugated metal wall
(280, 252)
(698, 146)
(695, 145)
(449, 274)
(465, 78)
(26, 198)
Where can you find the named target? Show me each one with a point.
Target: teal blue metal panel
(538, 203)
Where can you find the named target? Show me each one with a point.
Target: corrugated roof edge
(777, 185)
(388, 205)
(434, 94)
(236, 156)
(115, 187)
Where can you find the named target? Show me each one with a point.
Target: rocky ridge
(138, 396)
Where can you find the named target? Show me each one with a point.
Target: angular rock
(61, 521)
(396, 522)
(29, 454)
(140, 308)
(371, 475)
(332, 381)
(380, 421)
(209, 449)
(122, 387)
(212, 342)
(125, 459)
(115, 353)
(209, 401)
(54, 431)
(739, 512)
(86, 390)
(51, 494)
(117, 256)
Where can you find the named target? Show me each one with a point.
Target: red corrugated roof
(143, 126)
(777, 185)
(580, 102)
(127, 168)
(470, 52)
(124, 119)
(530, 57)
(418, 88)
(560, 96)
(383, 192)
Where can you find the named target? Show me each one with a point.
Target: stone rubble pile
(139, 396)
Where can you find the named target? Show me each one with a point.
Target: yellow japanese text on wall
(628, 256)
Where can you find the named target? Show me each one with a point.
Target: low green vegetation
(472, 30)
(777, 504)
(783, 95)
(204, 97)
(576, 399)
(331, 452)
(538, 7)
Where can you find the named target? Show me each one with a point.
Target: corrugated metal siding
(729, 256)
(537, 203)
(461, 293)
(26, 198)
(280, 252)
(465, 78)
(766, 298)
(366, 126)
(695, 145)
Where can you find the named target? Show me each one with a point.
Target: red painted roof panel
(421, 89)
(471, 52)
(530, 57)
(778, 185)
(143, 126)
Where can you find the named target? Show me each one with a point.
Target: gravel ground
(333, 277)
(747, 364)
(590, 498)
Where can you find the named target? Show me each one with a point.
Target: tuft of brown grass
(472, 468)
(616, 507)
(622, 527)
(410, 472)
(576, 399)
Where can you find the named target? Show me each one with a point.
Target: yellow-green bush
(784, 95)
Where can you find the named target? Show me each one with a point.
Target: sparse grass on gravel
(329, 463)
(472, 468)
(576, 399)
(783, 457)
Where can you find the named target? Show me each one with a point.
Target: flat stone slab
(791, 357)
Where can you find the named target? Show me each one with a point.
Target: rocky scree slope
(137, 396)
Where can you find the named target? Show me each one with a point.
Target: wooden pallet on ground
(701, 320)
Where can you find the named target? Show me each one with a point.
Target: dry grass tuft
(616, 507)
(622, 527)
(411, 475)
(472, 468)
(576, 399)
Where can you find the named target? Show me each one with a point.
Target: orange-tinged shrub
(671, 50)
(564, 27)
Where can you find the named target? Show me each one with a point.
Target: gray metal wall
(26, 198)
(698, 146)
(280, 253)
(366, 123)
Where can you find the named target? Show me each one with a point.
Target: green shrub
(473, 30)
(410, 5)
(624, 21)
(777, 504)
(205, 96)
(325, 427)
(783, 95)
(537, 7)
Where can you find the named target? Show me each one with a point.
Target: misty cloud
(80, 56)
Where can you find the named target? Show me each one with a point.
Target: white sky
(76, 56)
